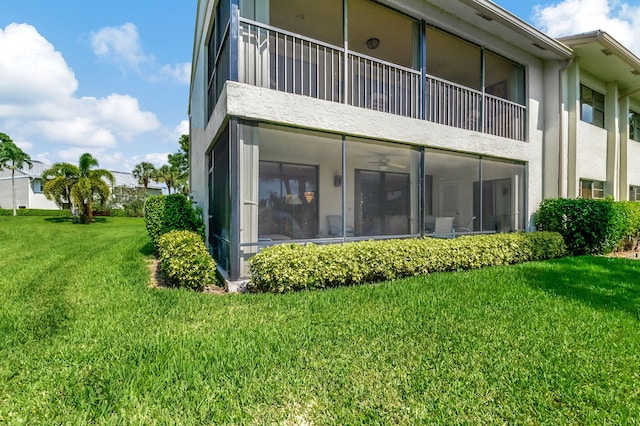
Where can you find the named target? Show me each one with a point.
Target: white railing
(288, 62)
(504, 118)
(382, 86)
(452, 104)
(277, 59)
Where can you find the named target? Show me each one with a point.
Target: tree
(13, 158)
(58, 180)
(168, 175)
(79, 184)
(180, 162)
(144, 172)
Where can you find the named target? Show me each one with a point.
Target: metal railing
(452, 104)
(276, 59)
(382, 86)
(504, 118)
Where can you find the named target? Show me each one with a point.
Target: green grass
(84, 340)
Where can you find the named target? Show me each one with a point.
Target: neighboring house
(128, 180)
(387, 115)
(29, 195)
(28, 185)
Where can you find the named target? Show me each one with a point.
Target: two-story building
(356, 119)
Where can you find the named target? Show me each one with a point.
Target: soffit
(606, 59)
(504, 25)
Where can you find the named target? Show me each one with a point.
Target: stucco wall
(591, 152)
(21, 187)
(633, 163)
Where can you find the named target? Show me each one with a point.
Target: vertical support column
(423, 70)
(422, 194)
(344, 188)
(573, 105)
(236, 202)
(345, 62)
(234, 47)
(611, 117)
(482, 83)
(623, 167)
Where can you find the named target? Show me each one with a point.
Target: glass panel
(220, 201)
(449, 189)
(503, 196)
(379, 32)
(504, 79)
(382, 188)
(320, 20)
(453, 59)
(298, 187)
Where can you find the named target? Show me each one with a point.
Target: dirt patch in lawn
(158, 279)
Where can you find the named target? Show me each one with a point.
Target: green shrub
(36, 212)
(154, 216)
(588, 226)
(172, 212)
(119, 213)
(185, 260)
(291, 267)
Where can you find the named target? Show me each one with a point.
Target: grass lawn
(84, 340)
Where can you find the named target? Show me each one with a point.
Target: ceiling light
(635, 72)
(373, 43)
(485, 17)
(606, 52)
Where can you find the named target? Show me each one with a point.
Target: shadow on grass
(600, 282)
(147, 249)
(71, 220)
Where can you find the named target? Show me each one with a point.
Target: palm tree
(80, 184)
(90, 183)
(58, 180)
(168, 175)
(13, 158)
(143, 172)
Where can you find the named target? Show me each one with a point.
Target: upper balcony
(390, 62)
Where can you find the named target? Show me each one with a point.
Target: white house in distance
(28, 186)
(352, 119)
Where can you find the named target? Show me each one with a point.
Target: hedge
(172, 212)
(291, 267)
(36, 212)
(589, 226)
(185, 260)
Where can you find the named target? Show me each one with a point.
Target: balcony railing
(382, 86)
(277, 59)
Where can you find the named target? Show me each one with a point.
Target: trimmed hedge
(291, 267)
(171, 212)
(589, 226)
(36, 212)
(185, 259)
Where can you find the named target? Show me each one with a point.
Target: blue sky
(111, 77)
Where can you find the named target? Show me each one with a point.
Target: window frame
(595, 105)
(595, 187)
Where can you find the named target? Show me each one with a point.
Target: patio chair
(335, 226)
(467, 228)
(443, 228)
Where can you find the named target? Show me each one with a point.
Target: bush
(185, 259)
(291, 267)
(168, 213)
(588, 226)
(36, 212)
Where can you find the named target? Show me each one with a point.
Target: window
(591, 189)
(634, 193)
(634, 126)
(591, 106)
(37, 186)
(288, 201)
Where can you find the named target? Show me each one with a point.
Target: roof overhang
(606, 59)
(505, 25)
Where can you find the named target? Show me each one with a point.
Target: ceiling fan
(384, 162)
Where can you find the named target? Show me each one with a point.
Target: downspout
(561, 177)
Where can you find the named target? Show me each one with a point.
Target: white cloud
(181, 129)
(157, 158)
(38, 100)
(569, 17)
(122, 46)
(31, 70)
